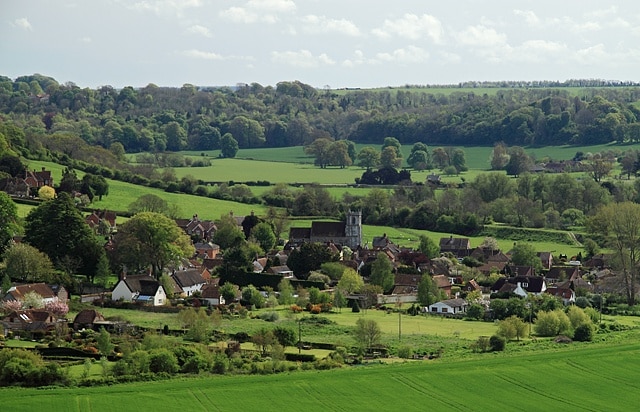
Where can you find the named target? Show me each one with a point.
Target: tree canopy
(150, 239)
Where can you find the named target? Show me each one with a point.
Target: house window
(434, 309)
(525, 285)
(445, 310)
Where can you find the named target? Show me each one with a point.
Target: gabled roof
(300, 232)
(532, 284)
(279, 270)
(328, 229)
(404, 279)
(142, 284)
(441, 281)
(206, 246)
(210, 292)
(564, 293)
(88, 316)
(472, 285)
(453, 303)
(556, 272)
(31, 315)
(18, 292)
(454, 243)
(520, 270)
(188, 278)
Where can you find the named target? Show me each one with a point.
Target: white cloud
(23, 23)
(409, 54)
(529, 17)
(357, 60)
(537, 51)
(199, 30)
(412, 27)
(85, 40)
(203, 55)
(239, 15)
(272, 5)
(302, 59)
(258, 10)
(163, 7)
(595, 14)
(449, 58)
(321, 24)
(481, 36)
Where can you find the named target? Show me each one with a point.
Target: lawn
(591, 376)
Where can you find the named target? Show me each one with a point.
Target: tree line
(155, 118)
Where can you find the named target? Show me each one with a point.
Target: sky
(323, 43)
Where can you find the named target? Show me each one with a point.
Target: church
(347, 233)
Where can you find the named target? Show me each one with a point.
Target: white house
(211, 295)
(139, 288)
(450, 306)
(190, 281)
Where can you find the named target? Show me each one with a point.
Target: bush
(583, 333)
(405, 352)
(269, 316)
(552, 323)
(497, 343)
(475, 311)
(481, 345)
(163, 360)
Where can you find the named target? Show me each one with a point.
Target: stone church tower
(353, 229)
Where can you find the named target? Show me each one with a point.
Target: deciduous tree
(8, 221)
(382, 272)
(150, 239)
(620, 223)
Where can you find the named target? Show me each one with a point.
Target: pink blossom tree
(9, 306)
(59, 309)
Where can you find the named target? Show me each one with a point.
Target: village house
(29, 320)
(520, 285)
(460, 247)
(198, 230)
(42, 289)
(38, 179)
(449, 307)
(189, 281)
(210, 295)
(102, 222)
(139, 288)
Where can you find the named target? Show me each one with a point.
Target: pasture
(593, 376)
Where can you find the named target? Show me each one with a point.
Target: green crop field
(592, 377)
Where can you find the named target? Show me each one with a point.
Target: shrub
(475, 311)
(481, 345)
(296, 309)
(163, 360)
(552, 323)
(405, 352)
(497, 343)
(269, 316)
(583, 333)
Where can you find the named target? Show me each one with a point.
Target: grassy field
(592, 377)
(121, 194)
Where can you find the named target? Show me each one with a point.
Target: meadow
(599, 376)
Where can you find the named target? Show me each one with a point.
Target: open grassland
(121, 194)
(593, 377)
(303, 171)
(410, 238)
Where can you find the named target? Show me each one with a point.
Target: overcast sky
(335, 43)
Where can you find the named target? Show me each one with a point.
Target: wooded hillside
(156, 118)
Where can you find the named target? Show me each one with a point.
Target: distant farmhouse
(348, 233)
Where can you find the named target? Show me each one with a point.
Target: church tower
(353, 229)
